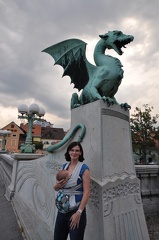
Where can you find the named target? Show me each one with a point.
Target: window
(12, 125)
(13, 143)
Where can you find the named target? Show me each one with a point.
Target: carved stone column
(115, 210)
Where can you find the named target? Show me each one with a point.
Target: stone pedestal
(115, 210)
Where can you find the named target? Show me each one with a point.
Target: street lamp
(31, 113)
(4, 133)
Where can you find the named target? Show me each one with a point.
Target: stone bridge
(29, 182)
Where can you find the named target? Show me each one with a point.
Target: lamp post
(31, 113)
(4, 133)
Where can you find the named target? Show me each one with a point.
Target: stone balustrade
(149, 185)
(6, 166)
(30, 188)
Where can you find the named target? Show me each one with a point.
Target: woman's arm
(86, 189)
(75, 219)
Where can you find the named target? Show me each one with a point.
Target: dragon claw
(76, 105)
(125, 106)
(108, 100)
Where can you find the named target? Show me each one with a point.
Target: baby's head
(62, 174)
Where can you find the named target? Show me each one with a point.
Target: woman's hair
(73, 144)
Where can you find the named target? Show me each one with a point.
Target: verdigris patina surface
(100, 81)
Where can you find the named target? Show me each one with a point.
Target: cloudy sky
(27, 75)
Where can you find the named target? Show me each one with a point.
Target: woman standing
(73, 222)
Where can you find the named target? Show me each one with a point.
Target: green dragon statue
(100, 81)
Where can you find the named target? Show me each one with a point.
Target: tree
(144, 131)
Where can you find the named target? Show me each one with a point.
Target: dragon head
(116, 40)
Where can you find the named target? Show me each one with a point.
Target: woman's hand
(60, 184)
(74, 220)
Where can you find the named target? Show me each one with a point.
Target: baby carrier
(65, 200)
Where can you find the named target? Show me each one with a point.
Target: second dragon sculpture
(100, 81)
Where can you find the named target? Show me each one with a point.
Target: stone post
(115, 210)
(18, 157)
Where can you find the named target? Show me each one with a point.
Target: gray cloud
(28, 27)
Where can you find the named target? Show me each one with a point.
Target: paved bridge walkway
(9, 227)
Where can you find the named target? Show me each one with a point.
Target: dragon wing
(70, 54)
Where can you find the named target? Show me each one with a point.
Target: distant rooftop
(52, 133)
(44, 123)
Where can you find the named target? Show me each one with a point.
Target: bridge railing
(29, 185)
(149, 185)
(6, 167)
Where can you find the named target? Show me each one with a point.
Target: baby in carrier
(62, 200)
(65, 200)
(62, 174)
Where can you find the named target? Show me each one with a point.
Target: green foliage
(144, 131)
